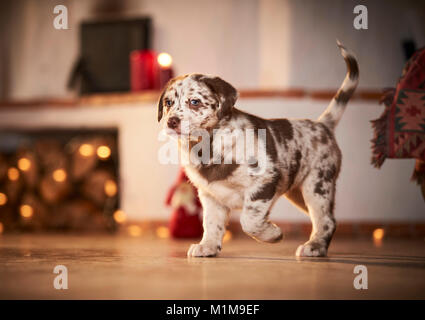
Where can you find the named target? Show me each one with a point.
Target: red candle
(144, 70)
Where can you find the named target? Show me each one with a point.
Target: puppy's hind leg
(319, 194)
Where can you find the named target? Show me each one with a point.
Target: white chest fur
(226, 191)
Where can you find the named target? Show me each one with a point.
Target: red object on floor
(185, 219)
(144, 70)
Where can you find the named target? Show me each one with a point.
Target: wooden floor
(118, 267)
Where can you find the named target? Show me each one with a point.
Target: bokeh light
(13, 174)
(24, 164)
(162, 232)
(378, 234)
(134, 231)
(165, 60)
(103, 152)
(120, 216)
(26, 211)
(3, 199)
(110, 188)
(59, 175)
(227, 236)
(86, 150)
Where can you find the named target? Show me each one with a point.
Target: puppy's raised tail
(333, 113)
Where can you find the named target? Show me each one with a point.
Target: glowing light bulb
(26, 211)
(110, 188)
(86, 150)
(378, 234)
(227, 236)
(165, 60)
(134, 231)
(24, 164)
(59, 175)
(103, 152)
(3, 199)
(120, 216)
(13, 174)
(162, 232)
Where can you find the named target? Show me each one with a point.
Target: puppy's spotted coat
(302, 161)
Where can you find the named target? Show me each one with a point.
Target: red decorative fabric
(400, 131)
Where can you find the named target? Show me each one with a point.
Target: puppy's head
(195, 101)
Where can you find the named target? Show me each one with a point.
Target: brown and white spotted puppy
(301, 160)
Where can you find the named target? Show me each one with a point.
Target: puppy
(299, 159)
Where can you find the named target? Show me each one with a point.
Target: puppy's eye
(195, 102)
(168, 103)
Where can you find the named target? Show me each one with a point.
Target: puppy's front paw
(203, 250)
(311, 249)
(270, 234)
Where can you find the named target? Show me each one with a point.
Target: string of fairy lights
(61, 176)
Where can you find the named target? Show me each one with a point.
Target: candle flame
(165, 60)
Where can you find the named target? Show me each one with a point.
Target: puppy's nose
(173, 122)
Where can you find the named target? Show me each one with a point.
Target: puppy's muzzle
(173, 123)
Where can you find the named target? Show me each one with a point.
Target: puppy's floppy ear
(161, 104)
(226, 93)
(161, 98)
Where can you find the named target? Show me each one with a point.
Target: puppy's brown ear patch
(161, 105)
(161, 98)
(226, 93)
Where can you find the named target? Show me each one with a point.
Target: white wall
(314, 25)
(251, 43)
(364, 193)
(217, 37)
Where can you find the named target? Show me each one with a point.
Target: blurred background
(78, 131)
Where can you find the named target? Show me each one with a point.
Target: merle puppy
(301, 160)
